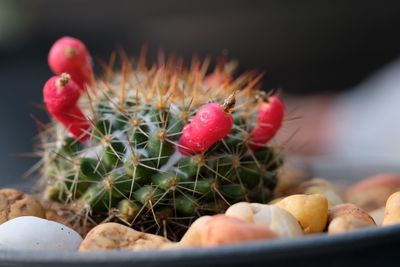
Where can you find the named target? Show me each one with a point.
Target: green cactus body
(130, 167)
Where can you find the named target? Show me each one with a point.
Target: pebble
(192, 237)
(14, 204)
(277, 219)
(346, 217)
(223, 230)
(346, 223)
(352, 210)
(392, 210)
(242, 210)
(114, 236)
(33, 233)
(311, 211)
(372, 193)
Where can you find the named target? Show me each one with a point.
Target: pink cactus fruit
(61, 95)
(70, 55)
(269, 121)
(211, 123)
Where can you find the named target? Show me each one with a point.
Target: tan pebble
(378, 215)
(311, 211)
(372, 193)
(352, 210)
(242, 211)
(114, 236)
(346, 217)
(278, 220)
(192, 237)
(15, 204)
(347, 223)
(392, 210)
(221, 230)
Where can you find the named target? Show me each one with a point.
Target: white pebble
(277, 219)
(33, 233)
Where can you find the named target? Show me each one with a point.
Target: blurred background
(307, 47)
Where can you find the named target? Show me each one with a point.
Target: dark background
(309, 46)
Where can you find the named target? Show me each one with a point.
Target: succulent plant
(156, 147)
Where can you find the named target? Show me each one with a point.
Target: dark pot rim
(322, 244)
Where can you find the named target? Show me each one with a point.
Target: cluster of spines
(156, 152)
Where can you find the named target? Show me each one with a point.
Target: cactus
(160, 146)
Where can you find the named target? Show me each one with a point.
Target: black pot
(369, 247)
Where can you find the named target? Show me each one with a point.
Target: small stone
(114, 236)
(33, 233)
(242, 211)
(192, 237)
(392, 210)
(14, 204)
(346, 217)
(371, 194)
(346, 223)
(350, 209)
(311, 211)
(277, 219)
(223, 230)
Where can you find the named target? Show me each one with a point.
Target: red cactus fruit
(269, 121)
(61, 95)
(70, 55)
(211, 123)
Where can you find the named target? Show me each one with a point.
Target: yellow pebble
(311, 211)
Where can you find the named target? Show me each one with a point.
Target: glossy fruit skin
(61, 95)
(70, 55)
(269, 121)
(208, 126)
(60, 98)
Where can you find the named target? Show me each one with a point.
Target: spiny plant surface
(128, 160)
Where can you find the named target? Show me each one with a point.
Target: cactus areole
(157, 147)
